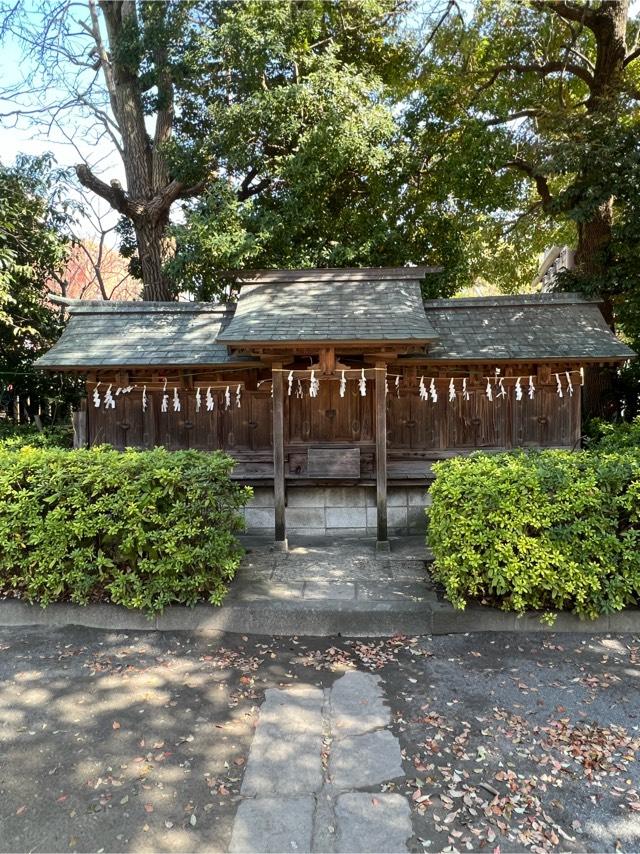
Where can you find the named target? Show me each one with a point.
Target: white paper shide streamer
(452, 390)
(96, 397)
(290, 382)
(433, 391)
(227, 398)
(532, 389)
(177, 406)
(109, 402)
(569, 383)
(343, 384)
(144, 398)
(558, 385)
(198, 399)
(465, 390)
(489, 390)
(314, 385)
(362, 384)
(238, 396)
(424, 394)
(164, 406)
(398, 386)
(518, 389)
(209, 400)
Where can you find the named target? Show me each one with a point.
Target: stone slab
(304, 517)
(262, 497)
(273, 826)
(367, 822)
(329, 590)
(305, 496)
(345, 496)
(381, 591)
(259, 517)
(356, 704)
(285, 751)
(346, 517)
(365, 760)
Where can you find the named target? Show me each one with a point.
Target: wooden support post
(278, 457)
(80, 425)
(382, 544)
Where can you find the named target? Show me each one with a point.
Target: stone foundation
(339, 511)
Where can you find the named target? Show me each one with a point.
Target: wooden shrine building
(335, 390)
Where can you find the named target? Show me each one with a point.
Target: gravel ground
(138, 741)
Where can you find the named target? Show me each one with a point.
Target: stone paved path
(315, 767)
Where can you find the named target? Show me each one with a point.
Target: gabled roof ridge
(331, 274)
(146, 307)
(560, 298)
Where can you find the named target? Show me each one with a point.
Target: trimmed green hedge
(550, 531)
(143, 529)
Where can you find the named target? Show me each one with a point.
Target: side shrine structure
(335, 390)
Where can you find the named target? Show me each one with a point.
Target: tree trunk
(155, 249)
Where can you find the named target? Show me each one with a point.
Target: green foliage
(548, 531)
(607, 436)
(14, 436)
(32, 248)
(317, 169)
(143, 529)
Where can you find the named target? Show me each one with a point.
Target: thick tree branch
(112, 193)
(542, 185)
(246, 192)
(551, 67)
(512, 117)
(630, 57)
(580, 12)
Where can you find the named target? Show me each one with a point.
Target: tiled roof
(139, 334)
(535, 326)
(325, 310)
(123, 334)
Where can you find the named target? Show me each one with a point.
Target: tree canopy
(33, 246)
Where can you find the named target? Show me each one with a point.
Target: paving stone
(366, 822)
(273, 825)
(365, 760)
(356, 704)
(266, 589)
(392, 591)
(285, 753)
(329, 590)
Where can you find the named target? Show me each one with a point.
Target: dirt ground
(137, 741)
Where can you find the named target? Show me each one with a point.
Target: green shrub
(52, 436)
(552, 530)
(613, 436)
(141, 528)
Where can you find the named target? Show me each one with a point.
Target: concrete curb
(323, 618)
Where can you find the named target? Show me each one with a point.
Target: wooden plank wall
(414, 427)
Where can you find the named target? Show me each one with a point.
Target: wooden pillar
(80, 425)
(382, 543)
(278, 457)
